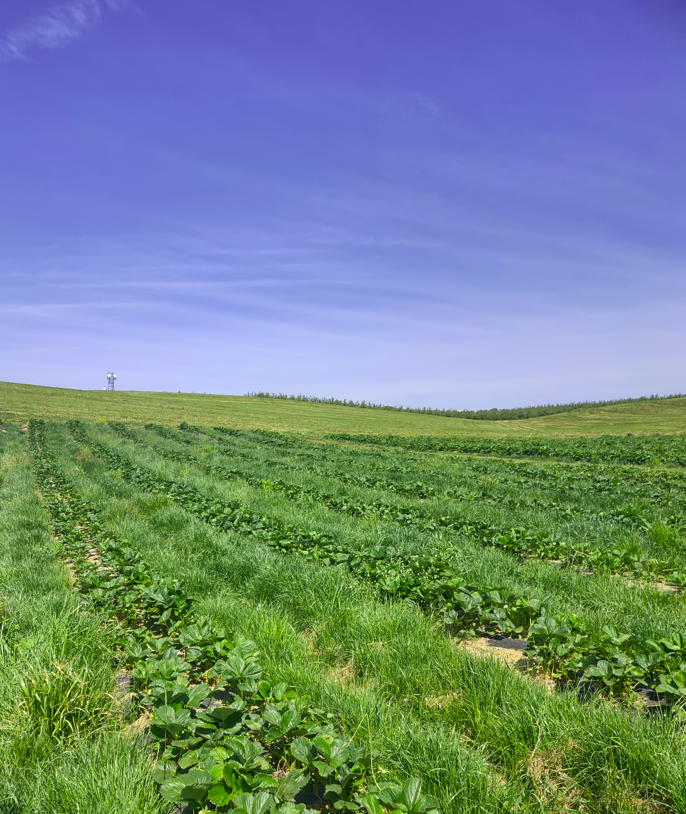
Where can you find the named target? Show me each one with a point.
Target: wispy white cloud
(58, 26)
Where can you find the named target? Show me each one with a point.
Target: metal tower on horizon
(111, 378)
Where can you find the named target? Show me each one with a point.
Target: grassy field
(276, 621)
(19, 402)
(62, 745)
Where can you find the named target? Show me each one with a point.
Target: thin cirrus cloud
(55, 28)
(464, 208)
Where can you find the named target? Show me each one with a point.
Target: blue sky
(451, 203)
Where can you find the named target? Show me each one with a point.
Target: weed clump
(60, 703)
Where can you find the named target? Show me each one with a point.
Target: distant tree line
(494, 414)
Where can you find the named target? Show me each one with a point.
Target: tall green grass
(61, 745)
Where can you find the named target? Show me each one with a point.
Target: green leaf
(323, 744)
(272, 715)
(279, 691)
(188, 760)
(372, 804)
(264, 688)
(219, 795)
(164, 771)
(412, 790)
(391, 795)
(171, 720)
(257, 804)
(303, 750)
(171, 790)
(265, 782)
(339, 751)
(322, 768)
(333, 791)
(196, 694)
(290, 785)
(289, 720)
(232, 780)
(196, 785)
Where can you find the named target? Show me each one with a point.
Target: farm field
(265, 606)
(19, 402)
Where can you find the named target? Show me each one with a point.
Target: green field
(284, 606)
(19, 402)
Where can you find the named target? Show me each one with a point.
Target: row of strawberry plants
(226, 739)
(412, 489)
(385, 511)
(519, 540)
(614, 469)
(655, 485)
(591, 480)
(604, 475)
(425, 579)
(563, 645)
(342, 472)
(663, 488)
(649, 487)
(609, 448)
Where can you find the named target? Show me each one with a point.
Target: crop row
(563, 645)
(655, 485)
(555, 451)
(425, 579)
(627, 449)
(597, 477)
(605, 476)
(412, 489)
(224, 737)
(519, 540)
(348, 472)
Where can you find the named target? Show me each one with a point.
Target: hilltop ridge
(19, 402)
